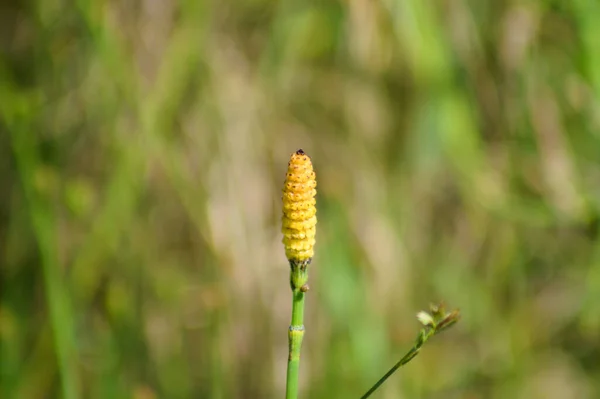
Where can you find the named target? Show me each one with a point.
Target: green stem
(424, 335)
(295, 336)
(298, 309)
(298, 278)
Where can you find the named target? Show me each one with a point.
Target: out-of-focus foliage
(143, 145)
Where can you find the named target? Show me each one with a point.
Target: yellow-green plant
(298, 227)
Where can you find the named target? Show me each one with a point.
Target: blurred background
(143, 147)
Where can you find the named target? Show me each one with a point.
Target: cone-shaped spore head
(299, 212)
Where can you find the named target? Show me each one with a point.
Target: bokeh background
(143, 146)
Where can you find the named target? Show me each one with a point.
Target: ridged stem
(296, 331)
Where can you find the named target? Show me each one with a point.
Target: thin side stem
(414, 351)
(295, 336)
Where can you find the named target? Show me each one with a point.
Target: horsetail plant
(299, 222)
(298, 227)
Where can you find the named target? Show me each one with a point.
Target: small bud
(425, 319)
(448, 320)
(438, 311)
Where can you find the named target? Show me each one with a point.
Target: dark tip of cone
(300, 152)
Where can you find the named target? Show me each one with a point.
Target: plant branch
(433, 323)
